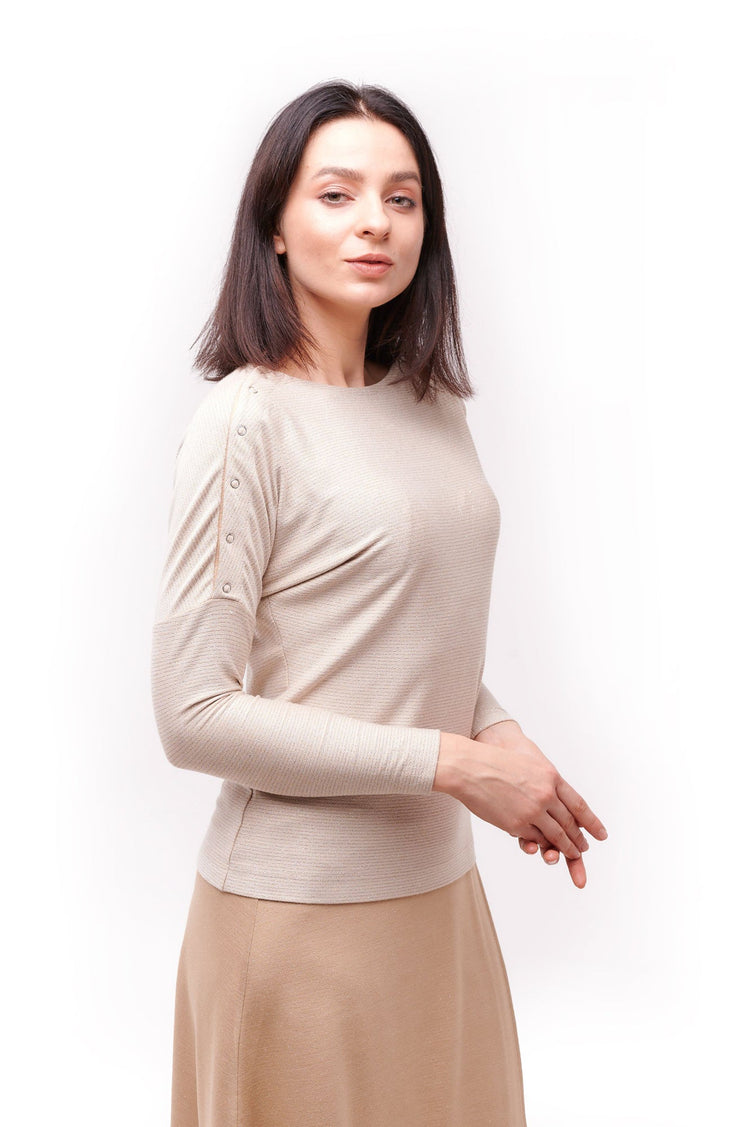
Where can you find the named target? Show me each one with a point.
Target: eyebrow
(354, 174)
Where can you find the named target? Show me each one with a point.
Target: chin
(366, 299)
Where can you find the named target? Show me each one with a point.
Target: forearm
(207, 722)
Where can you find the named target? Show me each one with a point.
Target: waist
(335, 849)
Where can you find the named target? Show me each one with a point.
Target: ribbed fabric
(321, 618)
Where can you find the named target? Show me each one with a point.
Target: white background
(594, 159)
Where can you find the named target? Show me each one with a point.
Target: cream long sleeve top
(321, 618)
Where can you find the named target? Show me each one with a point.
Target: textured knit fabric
(392, 1013)
(321, 618)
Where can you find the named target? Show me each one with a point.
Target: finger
(537, 840)
(581, 811)
(547, 851)
(557, 836)
(563, 816)
(577, 871)
(549, 855)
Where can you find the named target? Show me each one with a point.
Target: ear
(279, 245)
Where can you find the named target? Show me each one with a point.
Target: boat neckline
(329, 387)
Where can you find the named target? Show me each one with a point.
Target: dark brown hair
(256, 320)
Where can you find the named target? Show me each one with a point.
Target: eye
(407, 203)
(332, 192)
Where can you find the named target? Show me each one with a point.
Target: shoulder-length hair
(256, 320)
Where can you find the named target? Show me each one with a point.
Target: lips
(372, 258)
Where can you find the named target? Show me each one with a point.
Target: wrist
(446, 773)
(501, 730)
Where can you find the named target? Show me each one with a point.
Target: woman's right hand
(506, 780)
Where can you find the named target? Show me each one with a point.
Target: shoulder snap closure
(239, 489)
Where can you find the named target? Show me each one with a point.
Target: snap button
(242, 429)
(227, 587)
(234, 483)
(230, 537)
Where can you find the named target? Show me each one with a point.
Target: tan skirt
(386, 1013)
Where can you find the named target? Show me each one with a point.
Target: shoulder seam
(223, 484)
(201, 606)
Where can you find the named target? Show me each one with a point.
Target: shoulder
(224, 400)
(237, 406)
(450, 407)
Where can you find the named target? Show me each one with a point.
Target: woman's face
(357, 191)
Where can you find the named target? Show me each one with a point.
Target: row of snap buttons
(242, 430)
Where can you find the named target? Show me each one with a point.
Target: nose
(372, 218)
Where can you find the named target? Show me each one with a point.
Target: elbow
(175, 742)
(195, 683)
(177, 754)
(194, 732)
(179, 737)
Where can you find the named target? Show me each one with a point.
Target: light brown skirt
(385, 1013)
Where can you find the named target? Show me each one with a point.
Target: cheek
(411, 258)
(317, 228)
(413, 239)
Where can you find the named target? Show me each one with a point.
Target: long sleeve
(220, 538)
(487, 711)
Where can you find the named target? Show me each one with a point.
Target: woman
(332, 537)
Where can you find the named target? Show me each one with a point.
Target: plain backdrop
(595, 163)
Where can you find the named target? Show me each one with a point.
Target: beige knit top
(321, 618)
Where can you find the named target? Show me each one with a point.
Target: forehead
(372, 147)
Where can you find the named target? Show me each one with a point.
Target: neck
(340, 342)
